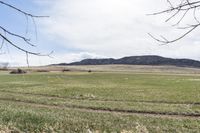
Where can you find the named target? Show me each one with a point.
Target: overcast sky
(79, 29)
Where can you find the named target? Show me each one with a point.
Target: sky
(80, 29)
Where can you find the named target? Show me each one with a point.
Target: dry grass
(120, 100)
(119, 68)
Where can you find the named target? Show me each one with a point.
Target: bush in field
(43, 70)
(18, 71)
(65, 70)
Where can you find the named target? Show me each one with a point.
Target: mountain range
(139, 60)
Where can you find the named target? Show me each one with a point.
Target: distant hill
(139, 60)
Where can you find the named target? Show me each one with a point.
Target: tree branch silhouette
(5, 32)
(181, 10)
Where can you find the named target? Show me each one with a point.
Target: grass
(100, 102)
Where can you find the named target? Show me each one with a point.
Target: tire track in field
(103, 100)
(107, 110)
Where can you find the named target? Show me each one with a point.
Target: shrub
(42, 70)
(65, 70)
(18, 71)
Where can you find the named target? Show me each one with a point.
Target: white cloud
(110, 28)
(20, 59)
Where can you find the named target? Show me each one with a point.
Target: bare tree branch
(19, 36)
(13, 34)
(19, 10)
(182, 9)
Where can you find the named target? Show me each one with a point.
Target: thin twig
(182, 10)
(21, 11)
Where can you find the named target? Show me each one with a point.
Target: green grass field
(123, 102)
